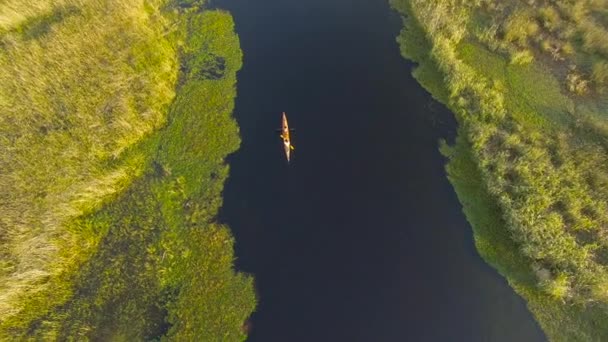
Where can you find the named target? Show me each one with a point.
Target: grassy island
(528, 83)
(116, 120)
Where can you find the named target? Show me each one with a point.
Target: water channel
(361, 237)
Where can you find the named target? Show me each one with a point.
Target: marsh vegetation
(116, 119)
(527, 83)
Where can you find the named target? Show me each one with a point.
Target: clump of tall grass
(600, 72)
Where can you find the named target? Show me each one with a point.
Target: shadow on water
(361, 238)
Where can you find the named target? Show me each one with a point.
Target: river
(362, 237)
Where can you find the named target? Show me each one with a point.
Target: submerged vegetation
(116, 119)
(527, 82)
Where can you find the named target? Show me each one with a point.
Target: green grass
(149, 262)
(534, 90)
(415, 47)
(492, 239)
(533, 95)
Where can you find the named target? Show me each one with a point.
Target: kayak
(286, 138)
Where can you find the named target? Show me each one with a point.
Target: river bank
(143, 257)
(496, 100)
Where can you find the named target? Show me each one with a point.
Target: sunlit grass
(110, 184)
(79, 84)
(533, 95)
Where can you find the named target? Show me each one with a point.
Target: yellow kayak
(285, 135)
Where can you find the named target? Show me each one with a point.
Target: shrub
(522, 57)
(600, 72)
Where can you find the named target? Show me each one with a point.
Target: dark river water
(362, 237)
